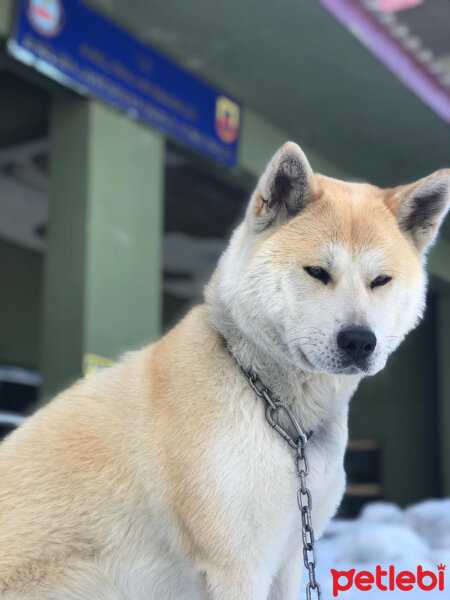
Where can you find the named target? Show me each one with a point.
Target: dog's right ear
(283, 189)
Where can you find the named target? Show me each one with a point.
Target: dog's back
(59, 471)
(85, 492)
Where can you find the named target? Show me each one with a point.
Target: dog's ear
(421, 207)
(284, 188)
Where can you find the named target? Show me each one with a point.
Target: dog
(159, 478)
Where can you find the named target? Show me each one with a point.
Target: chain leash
(304, 498)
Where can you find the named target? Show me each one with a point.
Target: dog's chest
(245, 485)
(257, 484)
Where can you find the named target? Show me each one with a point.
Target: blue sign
(77, 46)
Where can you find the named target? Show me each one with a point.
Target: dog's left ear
(421, 207)
(284, 188)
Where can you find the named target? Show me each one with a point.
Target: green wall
(20, 305)
(443, 336)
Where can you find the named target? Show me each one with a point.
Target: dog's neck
(316, 398)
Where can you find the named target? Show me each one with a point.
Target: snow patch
(384, 535)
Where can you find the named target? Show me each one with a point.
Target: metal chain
(304, 498)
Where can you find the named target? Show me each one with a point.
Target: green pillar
(102, 286)
(443, 336)
(6, 15)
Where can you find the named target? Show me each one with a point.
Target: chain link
(304, 498)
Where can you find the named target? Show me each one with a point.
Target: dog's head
(329, 275)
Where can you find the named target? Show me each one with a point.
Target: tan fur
(159, 477)
(355, 215)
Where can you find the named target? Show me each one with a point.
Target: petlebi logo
(388, 580)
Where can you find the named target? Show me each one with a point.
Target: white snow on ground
(384, 535)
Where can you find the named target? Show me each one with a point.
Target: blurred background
(131, 135)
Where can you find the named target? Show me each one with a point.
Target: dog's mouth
(347, 370)
(336, 367)
(351, 370)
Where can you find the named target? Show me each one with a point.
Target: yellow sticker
(93, 363)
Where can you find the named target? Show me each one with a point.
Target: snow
(384, 535)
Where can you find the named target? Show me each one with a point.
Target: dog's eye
(318, 273)
(380, 280)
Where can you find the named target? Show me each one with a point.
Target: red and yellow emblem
(46, 16)
(227, 119)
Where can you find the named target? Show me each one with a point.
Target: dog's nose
(357, 342)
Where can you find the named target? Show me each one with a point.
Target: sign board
(80, 48)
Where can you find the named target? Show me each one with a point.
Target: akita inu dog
(160, 477)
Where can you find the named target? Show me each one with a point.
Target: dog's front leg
(287, 582)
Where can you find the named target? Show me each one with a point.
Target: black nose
(357, 342)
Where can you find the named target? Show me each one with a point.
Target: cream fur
(159, 478)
